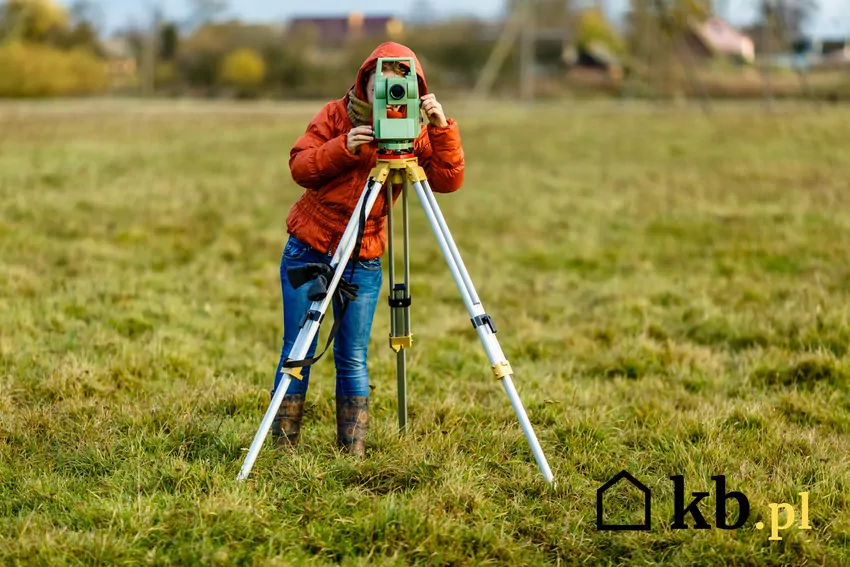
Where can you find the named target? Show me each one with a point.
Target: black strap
(345, 293)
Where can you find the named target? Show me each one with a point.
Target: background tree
(205, 11)
(593, 26)
(45, 50)
(201, 54)
(790, 16)
(31, 20)
(288, 63)
(87, 11)
(83, 29)
(169, 41)
(641, 28)
(49, 23)
(422, 12)
(682, 13)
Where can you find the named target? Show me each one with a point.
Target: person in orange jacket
(332, 161)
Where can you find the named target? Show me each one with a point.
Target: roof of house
(601, 53)
(721, 37)
(335, 28)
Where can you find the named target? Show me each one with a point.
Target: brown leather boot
(286, 427)
(352, 420)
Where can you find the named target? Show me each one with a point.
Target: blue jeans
(350, 346)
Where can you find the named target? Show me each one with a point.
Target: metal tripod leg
(315, 315)
(481, 321)
(399, 301)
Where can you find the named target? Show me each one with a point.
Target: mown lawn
(671, 291)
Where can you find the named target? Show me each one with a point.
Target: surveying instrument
(397, 164)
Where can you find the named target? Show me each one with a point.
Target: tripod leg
(399, 301)
(312, 320)
(404, 297)
(481, 321)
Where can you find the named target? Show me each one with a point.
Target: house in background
(121, 62)
(715, 38)
(833, 52)
(830, 47)
(594, 65)
(337, 31)
(120, 56)
(807, 53)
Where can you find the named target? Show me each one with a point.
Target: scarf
(360, 111)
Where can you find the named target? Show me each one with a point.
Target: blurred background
(671, 286)
(666, 50)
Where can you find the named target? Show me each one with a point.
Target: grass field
(671, 291)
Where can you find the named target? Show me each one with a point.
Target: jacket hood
(387, 49)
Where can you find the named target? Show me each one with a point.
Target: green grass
(670, 290)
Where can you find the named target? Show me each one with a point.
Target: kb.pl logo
(692, 509)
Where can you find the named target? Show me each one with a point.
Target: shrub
(244, 70)
(30, 70)
(165, 74)
(199, 67)
(287, 68)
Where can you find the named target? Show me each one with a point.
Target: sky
(832, 19)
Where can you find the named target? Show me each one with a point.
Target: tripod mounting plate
(401, 163)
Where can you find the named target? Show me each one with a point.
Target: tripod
(400, 168)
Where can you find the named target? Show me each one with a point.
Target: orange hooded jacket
(334, 178)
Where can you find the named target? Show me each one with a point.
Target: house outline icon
(647, 513)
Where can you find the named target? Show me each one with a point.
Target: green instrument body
(391, 133)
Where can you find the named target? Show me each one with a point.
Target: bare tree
(782, 25)
(151, 34)
(422, 12)
(204, 11)
(87, 11)
(792, 15)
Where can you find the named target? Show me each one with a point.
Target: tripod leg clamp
(311, 315)
(502, 369)
(398, 343)
(399, 302)
(415, 172)
(485, 319)
(380, 172)
(294, 372)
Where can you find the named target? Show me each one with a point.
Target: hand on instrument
(357, 137)
(434, 110)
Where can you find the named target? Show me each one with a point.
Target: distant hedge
(244, 70)
(30, 70)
